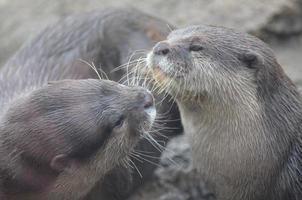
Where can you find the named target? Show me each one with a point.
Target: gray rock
(284, 24)
(175, 178)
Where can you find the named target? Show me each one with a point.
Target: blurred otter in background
(106, 38)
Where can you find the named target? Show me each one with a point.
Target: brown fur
(107, 38)
(240, 111)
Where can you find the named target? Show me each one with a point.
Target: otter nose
(161, 48)
(148, 100)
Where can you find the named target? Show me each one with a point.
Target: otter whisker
(125, 78)
(92, 67)
(124, 66)
(138, 157)
(102, 71)
(149, 80)
(146, 155)
(153, 157)
(126, 162)
(143, 151)
(155, 143)
(133, 75)
(151, 141)
(128, 65)
(139, 173)
(135, 69)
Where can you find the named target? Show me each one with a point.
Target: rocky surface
(278, 22)
(175, 179)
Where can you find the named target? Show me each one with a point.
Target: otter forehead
(203, 45)
(220, 38)
(88, 91)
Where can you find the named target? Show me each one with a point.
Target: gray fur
(74, 118)
(240, 111)
(107, 38)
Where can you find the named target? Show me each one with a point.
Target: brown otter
(107, 38)
(59, 140)
(240, 111)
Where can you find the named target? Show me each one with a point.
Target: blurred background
(277, 22)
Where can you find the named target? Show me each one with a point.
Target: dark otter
(107, 38)
(59, 140)
(240, 111)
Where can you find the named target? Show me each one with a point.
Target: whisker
(139, 173)
(92, 67)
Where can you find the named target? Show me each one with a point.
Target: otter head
(57, 141)
(213, 63)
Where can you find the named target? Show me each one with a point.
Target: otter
(241, 112)
(59, 140)
(106, 38)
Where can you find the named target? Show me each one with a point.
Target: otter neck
(75, 189)
(230, 148)
(222, 123)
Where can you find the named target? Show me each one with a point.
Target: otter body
(240, 111)
(105, 38)
(49, 151)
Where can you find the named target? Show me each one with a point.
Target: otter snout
(169, 59)
(148, 100)
(148, 105)
(158, 57)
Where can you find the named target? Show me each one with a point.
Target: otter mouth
(151, 115)
(149, 110)
(172, 83)
(149, 107)
(160, 74)
(162, 70)
(154, 70)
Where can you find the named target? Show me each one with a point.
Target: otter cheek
(159, 75)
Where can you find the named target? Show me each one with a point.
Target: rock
(175, 178)
(284, 24)
(289, 56)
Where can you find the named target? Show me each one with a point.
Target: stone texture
(175, 179)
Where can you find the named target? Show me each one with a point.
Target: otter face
(70, 133)
(205, 61)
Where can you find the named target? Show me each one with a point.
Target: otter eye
(119, 123)
(195, 47)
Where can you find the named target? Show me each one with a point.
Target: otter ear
(62, 163)
(250, 59)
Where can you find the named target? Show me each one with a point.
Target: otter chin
(240, 111)
(50, 151)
